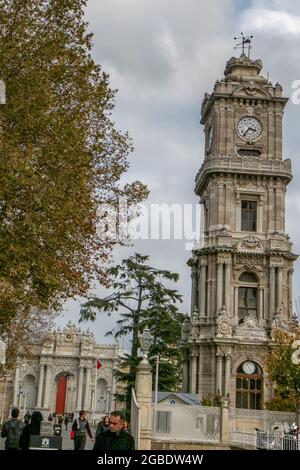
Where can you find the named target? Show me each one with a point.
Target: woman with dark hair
(33, 428)
(103, 425)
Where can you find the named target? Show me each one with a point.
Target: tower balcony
(242, 165)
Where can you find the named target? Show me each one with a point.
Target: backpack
(14, 430)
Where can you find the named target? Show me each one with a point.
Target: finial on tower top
(245, 43)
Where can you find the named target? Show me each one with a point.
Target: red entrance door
(61, 394)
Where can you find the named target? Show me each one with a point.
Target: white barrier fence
(186, 423)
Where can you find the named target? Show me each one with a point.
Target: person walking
(115, 438)
(82, 428)
(31, 429)
(12, 431)
(66, 421)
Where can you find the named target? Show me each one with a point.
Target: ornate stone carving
(250, 322)
(250, 329)
(224, 258)
(195, 324)
(253, 353)
(224, 327)
(250, 243)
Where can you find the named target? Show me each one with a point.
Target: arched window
(249, 381)
(28, 394)
(247, 296)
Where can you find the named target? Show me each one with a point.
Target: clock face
(249, 128)
(248, 367)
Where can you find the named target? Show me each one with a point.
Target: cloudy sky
(162, 55)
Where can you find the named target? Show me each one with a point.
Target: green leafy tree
(282, 373)
(142, 299)
(61, 157)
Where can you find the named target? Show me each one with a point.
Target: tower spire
(244, 44)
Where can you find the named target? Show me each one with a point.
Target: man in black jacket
(115, 438)
(12, 430)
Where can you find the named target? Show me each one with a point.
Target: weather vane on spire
(245, 43)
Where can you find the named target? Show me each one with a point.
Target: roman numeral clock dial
(249, 129)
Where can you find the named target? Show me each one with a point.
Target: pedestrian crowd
(112, 432)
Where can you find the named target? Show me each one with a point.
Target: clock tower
(242, 271)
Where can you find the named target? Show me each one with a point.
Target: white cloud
(279, 22)
(163, 56)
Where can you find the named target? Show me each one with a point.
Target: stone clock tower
(242, 272)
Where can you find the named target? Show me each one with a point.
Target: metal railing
(264, 440)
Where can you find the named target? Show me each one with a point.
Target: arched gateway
(62, 377)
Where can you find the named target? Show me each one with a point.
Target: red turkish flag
(98, 364)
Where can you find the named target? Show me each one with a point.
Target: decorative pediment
(250, 244)
(251, 89)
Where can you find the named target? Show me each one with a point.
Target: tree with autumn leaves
(283, 374)
(61, 158)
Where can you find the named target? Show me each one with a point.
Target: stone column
(236, 303)
(272, 292)
(193, 376)
(185, 376)
(238, 214)
(47, 387)
(209, 288)
(202, 290)
(279, 287)
(16, 386)
(227, 373)
(113, 391)
(260, 215)
(194, 300)
(219, 285)
(227, 286)
(40, 386)
(225, 421)
(143, 388)
(87, 405)
(79, 388)
(219, 374)
(199, 372)
(290, 296)
(261, 304)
